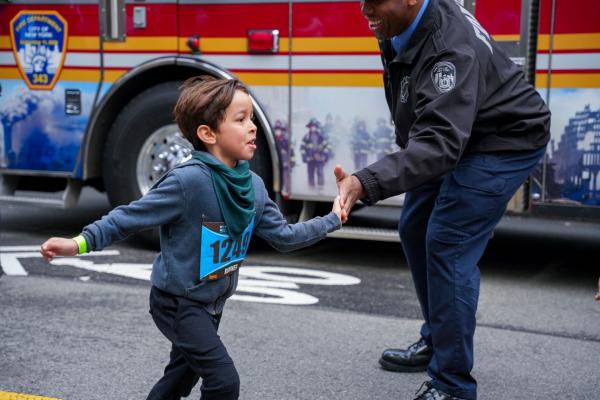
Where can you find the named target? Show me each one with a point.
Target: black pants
(196, 352)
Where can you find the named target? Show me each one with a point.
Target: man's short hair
(203, 101)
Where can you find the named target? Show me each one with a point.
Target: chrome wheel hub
(164, 149)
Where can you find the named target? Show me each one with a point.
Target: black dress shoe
(413, 359)
(432, 393)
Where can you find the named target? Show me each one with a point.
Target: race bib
(220, 254)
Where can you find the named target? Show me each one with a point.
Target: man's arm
(163, 204)
(440, 132)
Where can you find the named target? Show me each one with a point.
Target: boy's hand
(597, 297)
(337, 208)
(58, 247)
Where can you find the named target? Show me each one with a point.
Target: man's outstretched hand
(350, 190)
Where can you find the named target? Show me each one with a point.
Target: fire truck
(88, 88)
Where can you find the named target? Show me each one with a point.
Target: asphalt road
(304, 325)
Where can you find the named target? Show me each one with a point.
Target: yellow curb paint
(22, 396)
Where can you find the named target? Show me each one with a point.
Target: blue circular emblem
(38, 41)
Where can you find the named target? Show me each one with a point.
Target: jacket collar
(428, 22)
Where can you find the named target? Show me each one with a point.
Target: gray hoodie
(179, 203)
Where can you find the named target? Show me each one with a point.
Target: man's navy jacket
(451, 91)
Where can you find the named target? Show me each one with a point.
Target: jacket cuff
(89, 240)
(81, 244)
(332, 222)
(370, 185)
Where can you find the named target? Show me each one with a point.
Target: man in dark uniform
(471, 130)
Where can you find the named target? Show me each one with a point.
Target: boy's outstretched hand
(337, 208)
(597, 296)
(58, 247)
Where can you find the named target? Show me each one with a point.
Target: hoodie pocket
(207, 291)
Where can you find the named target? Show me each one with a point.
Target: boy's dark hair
(203, 101)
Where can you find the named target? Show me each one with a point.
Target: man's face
(388, 18)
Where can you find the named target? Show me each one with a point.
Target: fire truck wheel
(143, 144)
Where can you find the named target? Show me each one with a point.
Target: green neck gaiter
(234, 190)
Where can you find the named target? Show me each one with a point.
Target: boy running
(207, 208)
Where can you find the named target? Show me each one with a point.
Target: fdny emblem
(443, 76)
(404, 89)
(39, 39)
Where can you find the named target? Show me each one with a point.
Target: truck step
(366, 233)
(66, 199)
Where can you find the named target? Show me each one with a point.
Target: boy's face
(236, 137)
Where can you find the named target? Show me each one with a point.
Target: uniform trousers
(444, 228)
(196, 351)
(315, 167)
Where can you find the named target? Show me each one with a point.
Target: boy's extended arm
(163, 204)
(273, 228)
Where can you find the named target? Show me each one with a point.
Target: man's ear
(206, 135)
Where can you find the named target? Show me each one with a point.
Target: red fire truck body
(88, 89)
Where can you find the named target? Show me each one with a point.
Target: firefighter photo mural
(316, 151)
(362, 144)
(383, 139)
(286, 154)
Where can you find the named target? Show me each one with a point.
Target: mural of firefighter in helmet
(316, 151)
(384, 139)
(362, 144)
(286, 154)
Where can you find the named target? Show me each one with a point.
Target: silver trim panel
(29, 172)
(378, 234)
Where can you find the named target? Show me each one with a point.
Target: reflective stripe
(585, 61)
(81, 244)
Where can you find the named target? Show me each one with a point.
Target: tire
(144, 116)
(127, 158)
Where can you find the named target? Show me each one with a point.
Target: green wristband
(81, 244)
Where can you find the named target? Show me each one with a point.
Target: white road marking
(263, 284)
(300, 275)
(10, 255)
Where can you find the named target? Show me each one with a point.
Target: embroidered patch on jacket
(404, 89)
(443, 76)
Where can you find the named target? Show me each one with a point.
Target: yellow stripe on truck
(337, 79)
(574, 41)
(335, 45)
(568, 81)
